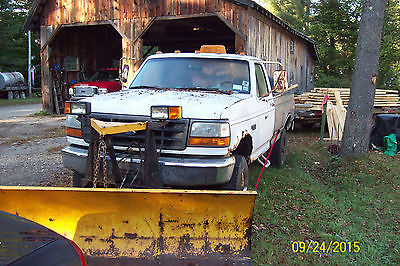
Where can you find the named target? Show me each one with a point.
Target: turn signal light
(166, 112)
(175, 112)
(67, 108)
(221, 142)
(73, 132)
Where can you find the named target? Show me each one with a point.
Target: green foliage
(13, 42)
(322, 198)
(334, 26)
(389, 61)
(20, 101)
(41, 113)
(295, 12)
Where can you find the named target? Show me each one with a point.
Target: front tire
(240, 176)
(278, 154)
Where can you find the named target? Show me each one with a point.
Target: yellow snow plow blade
(144, 224)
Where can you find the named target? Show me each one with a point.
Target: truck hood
(195, 104)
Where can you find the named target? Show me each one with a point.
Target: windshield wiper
(146, 87)
(211, 89)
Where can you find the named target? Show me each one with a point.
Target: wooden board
(388, 99)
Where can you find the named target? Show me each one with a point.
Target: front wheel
(240, 175)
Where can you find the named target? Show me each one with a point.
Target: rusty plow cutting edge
(142, 224)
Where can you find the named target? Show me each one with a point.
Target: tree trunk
(357, 128)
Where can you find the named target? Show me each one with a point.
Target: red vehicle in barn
(105, 80)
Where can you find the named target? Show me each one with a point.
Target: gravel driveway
(30, 148)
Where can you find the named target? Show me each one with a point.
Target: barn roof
(33, 19)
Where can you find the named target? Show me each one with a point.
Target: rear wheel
(278, 154)
(307, 125)
(240, 176)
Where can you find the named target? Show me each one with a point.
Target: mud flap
(157, 226)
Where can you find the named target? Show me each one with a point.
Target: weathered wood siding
(47, 99)
(73, 11)
(132, 16)
(263, 37)
(266, 40)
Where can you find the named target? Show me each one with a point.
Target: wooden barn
(80, 36)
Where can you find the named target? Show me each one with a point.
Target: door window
(261, 82)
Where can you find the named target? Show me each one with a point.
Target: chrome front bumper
(180, 172)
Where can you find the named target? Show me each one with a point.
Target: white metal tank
(10, 79)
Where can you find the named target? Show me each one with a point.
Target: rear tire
(307, 125)
(278, 154)
(240, 176)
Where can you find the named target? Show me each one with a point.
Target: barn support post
(47, 96)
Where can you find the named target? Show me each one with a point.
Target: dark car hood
(19, 236)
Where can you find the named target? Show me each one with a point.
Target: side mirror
(124, 73)
(280, 81)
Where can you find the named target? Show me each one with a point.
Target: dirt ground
(30, 148)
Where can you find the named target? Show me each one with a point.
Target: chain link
(103, 147)
(100, 149)
(96, 155)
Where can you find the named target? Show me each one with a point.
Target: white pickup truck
(220, 117)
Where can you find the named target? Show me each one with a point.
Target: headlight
(77, 108)
(166, 112)
(202, 129)
(209, 134)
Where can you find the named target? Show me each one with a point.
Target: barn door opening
(188, 33)
(81, 51)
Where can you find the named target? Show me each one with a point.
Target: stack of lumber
(335, 116)
(384, 99)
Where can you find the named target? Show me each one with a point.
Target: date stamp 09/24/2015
(325, 247)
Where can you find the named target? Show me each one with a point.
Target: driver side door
(266, 114)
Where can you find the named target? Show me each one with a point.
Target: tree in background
(14, 42)
(294, 12)
(389, 62)
(357, 128)
(334, 26)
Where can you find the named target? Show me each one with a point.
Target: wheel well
(245, 147)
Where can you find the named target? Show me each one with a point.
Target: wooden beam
(233, 28)
(144, 30)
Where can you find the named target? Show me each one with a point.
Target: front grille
(84, 91)
(171, 137)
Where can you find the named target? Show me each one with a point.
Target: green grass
(41, 113)
(33, 99)
(323, 198)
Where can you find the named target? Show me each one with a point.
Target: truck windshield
(105, 75)
(194, 73)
